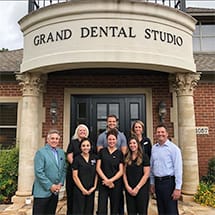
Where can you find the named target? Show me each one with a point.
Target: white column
(184, 84)
(32, 86)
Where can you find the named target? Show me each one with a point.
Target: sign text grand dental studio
(107, 31)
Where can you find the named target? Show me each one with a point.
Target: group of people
(111, 166)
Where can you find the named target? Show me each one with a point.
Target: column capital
(184, 83)
(31, 84)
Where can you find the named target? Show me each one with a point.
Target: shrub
(205, 194)
(206, 189)
(210, 177)
(8, 174)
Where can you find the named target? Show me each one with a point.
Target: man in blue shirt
(121, 139)
(166, 173)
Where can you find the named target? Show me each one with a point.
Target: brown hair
(162, 126)
(128, 155)
(112, 131)
(112, 115)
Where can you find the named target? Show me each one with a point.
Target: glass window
(101, 126)
(134, 111)
(114, 109)
(101, 111)
(197, 30)
(8, 124)
(203, 37)
(207, 44)
(208, 30)
(196, 45)
(82, 110)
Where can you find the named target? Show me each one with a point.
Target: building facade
(83, 60)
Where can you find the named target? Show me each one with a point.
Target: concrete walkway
(185, 208)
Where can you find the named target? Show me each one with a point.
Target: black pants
(114, 194)
(45, 206)
(83, 204)
(138, 204)
(164, 189)
(69, 191)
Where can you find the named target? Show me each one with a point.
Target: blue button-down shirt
(102, 140)
(166, 160)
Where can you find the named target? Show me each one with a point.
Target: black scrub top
(146, 146)
(135, 172)
(74, 147)
(110, 162)
(86, 170)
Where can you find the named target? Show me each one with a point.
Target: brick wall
(10, 89)
(57, 83)
(204, 101)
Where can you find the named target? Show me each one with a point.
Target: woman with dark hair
(85, 178)
(110, 170)
(135, 177)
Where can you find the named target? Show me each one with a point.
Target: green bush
(206, 189)
(8, 174)
(205, 194)
(210, 177)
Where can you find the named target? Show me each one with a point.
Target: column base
(187, 198)
(22, 198)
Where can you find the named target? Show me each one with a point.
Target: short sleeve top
(135, 172)
(110, 161)
(86, 170)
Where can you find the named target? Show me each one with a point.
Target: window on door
(93, 110)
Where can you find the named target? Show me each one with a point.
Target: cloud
(10, 14)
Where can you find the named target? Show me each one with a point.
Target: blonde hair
(75, 136)
(133, 125)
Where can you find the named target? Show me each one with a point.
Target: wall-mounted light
(162, 111)
(53, 111)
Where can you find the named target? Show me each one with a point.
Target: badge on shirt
(93, 162)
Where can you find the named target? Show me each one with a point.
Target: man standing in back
(121, 139)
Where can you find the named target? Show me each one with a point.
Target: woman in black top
(85, 178)
(136, 174)
(110, 170)
(137, 129)
(73, 150)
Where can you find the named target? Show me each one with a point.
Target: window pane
(197, 31)
(208, 30)
(196, 44)
(134, 113)
(207, 44)
(8, 114)
(101, 126)
(7, 137)
(101, 111)
(82, 110)
(114, 109)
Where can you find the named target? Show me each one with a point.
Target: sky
(11, 11)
